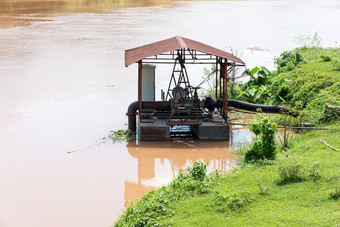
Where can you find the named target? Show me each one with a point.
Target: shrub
(233, 201)
(288, 60)
(314, 171)
(290, 171)
(122, 135)
(255, 89)
(264, 147)
(254, 153)
(198, 171)
(193, 179)
(326, 58)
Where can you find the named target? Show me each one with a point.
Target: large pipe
(264, 108)
(133, 107)
(209, 103)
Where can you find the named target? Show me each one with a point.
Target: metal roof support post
(226, 89)
(221, 91)
(220, 82)
(140, 88)
(223, 73)
(216, 84)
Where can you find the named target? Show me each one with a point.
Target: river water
(64, 87)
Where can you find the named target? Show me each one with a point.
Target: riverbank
(300, 187)
(252, 194)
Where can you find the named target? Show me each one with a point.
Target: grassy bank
(252, 195)
(306, 84)
(301, 187)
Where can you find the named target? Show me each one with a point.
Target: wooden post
(140, 88)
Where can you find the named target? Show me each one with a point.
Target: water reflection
(155, 157)
(159, 162)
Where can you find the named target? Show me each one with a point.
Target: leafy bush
(264, 147)
(287, 61)
(290, 171)
(282, 88)
(192, 179)
(198, 171)
(122, 135)
(258, 76)
(256, 89)
(326, 58)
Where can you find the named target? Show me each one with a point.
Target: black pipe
(209, 103)
(132, 112)
(264, 108)
(133, 107)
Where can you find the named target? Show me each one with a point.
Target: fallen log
(332, 108)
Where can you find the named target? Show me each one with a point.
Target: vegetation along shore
(290, 178)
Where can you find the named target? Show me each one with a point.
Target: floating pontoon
(181, 110)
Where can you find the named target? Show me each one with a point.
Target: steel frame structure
(188, 56)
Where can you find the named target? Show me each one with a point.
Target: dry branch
(329, 145)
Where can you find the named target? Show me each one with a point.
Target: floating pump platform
(181, 112)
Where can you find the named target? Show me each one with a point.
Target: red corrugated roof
(175, 43)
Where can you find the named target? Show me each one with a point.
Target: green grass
(305, 203)
(307, 84)
(315, 74)
(315, 53)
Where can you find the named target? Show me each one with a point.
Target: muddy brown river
(64, 87)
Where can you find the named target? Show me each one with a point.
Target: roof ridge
(181, 42)
(172, 44)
